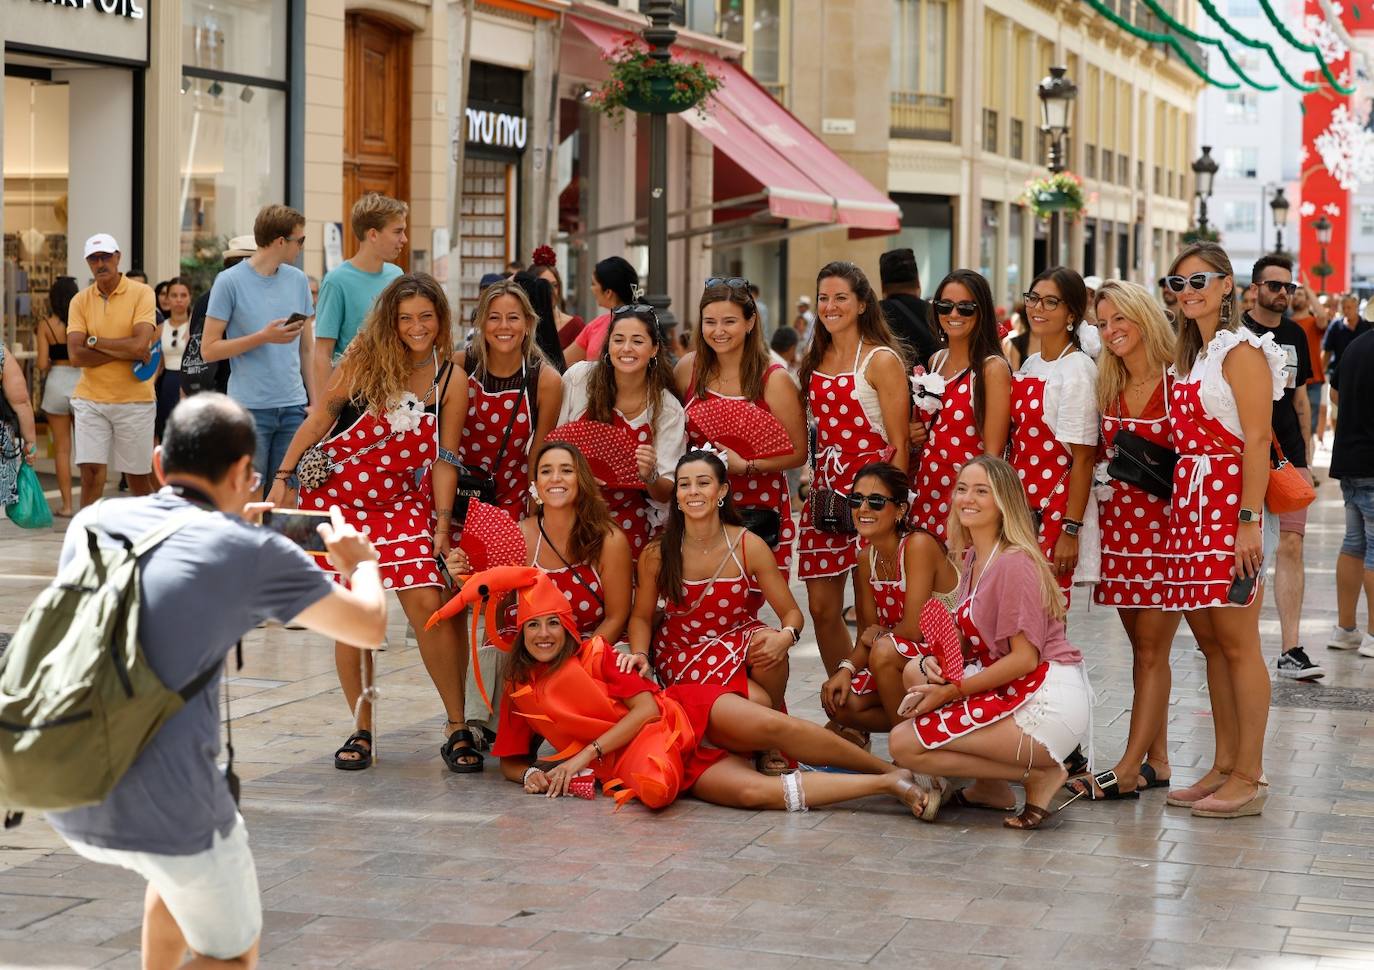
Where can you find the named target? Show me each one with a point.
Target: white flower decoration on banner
(1303, 156)
(405, 415)
(928, 389)
(1102, 482)
(1347, 150)
(1326, 40)
(1332, 209)
(1307, 209)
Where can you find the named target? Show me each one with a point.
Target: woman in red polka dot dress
(1029, 705)
(1133, 392)
(395, 402)
(630, 387)
(972, 413)
(1055, 431)
(860, 400)
(732, 362)
(513, 395)
(1226, 380)
(709, 576)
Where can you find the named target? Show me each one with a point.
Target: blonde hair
(1138, 306)
(374, 211)
(477, 347)
(1189, 343)
(376, 367)
(1018, 528)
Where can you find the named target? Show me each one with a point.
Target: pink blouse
(1010, 600)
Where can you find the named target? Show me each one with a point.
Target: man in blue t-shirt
(350, 289)
(171, 817)
(260, 314)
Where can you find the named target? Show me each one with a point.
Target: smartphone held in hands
(296, 319)
(1242, 589)
(298, 525)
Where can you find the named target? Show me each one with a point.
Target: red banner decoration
(1336, 147)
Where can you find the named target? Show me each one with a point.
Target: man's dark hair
(206, 435)
(1264, 262)
(897, 268)
(137, 274)
(784, 339)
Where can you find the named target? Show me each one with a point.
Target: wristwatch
(1249, 515)
(1072, 527)
(796, 634)
(90, 340)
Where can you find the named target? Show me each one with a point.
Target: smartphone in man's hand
(298, 525)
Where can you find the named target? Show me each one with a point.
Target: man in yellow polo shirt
(110, 329)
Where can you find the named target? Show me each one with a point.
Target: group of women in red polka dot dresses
(956, 484)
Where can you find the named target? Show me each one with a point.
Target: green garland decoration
(1154, 38)
(1287, 35)
(1174, 25)
(1225, 25)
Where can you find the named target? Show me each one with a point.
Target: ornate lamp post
(1204, 175)
(659, 35)
(1279, 206)
(1056, 96)
(1322, 226)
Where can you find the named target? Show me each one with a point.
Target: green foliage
(641, 82)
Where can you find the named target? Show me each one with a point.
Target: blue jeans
(1359, 519)
(1314, 401)
(276, 427)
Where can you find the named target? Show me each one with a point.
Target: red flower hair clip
(545, 256)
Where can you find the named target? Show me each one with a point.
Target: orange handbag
(1288, 490)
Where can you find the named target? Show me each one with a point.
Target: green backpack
(78, 701)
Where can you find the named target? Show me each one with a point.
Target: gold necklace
(703, 546)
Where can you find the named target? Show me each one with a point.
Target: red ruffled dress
(766, 490)
(585, 696)
(1134, 523)
(492, 401)
(953, 440)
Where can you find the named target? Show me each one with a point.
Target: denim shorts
(1359, 519)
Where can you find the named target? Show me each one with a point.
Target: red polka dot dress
(382, 486)
(630, 507)
(493, 404)
(953, 440)
(1134, 523)
(765, 490)
(705, 638)
(580, 583)
(847, 438)
(1205, 509)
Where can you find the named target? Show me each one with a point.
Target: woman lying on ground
(597, 708)
(1026, 666)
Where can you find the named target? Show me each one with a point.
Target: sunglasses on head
(1276, 287)
(1197, 281)
(965, 308)
(735, 281)
(874, 501)
(634, 308)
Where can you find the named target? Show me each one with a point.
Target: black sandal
(960, 800)
(1105, 782)
(484, 737)
(1076, 763)
(850, 616)
(353, 746)
(1152, 779)
(464, 759)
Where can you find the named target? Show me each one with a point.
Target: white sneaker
(1343, 639)
(1367, 648)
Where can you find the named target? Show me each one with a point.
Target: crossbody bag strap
(510, 425)
(572, 570)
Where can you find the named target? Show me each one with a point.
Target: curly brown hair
(376, 366)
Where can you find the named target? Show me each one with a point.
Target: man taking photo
(171, 818)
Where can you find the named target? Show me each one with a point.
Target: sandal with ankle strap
(1033, 816)
(1152, 779)
(354, 745)
(1101, 787)
(463, 759)
(1214, 807)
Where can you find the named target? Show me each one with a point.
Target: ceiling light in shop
(246, 95)
(215, 89)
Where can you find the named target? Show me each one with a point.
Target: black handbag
(829, 509)
(764, 523)
(1140, 462)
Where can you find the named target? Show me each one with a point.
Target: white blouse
(1070, 404)
(867, 394)
(174, 344)
(670, 430)
(1214, 390)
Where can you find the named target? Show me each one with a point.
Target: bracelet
(848, 665)
(525, 778)
(796, 633)
(599, 753)
(282, 476)
(443, 513)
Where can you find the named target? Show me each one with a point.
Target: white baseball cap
(241, 246)
(803, 300)
(101, 242)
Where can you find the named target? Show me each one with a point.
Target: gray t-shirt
(202, 589)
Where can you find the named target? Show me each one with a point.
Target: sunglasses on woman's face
(1197, 281)
(874, 501)
(965, 308)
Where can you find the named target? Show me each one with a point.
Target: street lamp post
(1323, 228)
(659, 35)
(1204, 174)
(1279, 206)
(1056, 96)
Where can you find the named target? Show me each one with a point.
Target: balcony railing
(926, 116)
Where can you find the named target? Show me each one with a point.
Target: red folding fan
(748, 430)
(609, 450)
(940, 634)
(488, 536)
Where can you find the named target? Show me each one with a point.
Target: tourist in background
(614, 284)
(1352, 462)
(176, 331)
(59, 381)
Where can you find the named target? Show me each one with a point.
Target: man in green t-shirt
(350, 289)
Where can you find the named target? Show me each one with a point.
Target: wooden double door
(376, 154)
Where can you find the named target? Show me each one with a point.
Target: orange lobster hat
(536, 596)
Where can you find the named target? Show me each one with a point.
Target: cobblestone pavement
(407, 865)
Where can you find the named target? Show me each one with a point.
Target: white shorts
(212, 895)
(1060, 714)
(117, 435)
(58, 388)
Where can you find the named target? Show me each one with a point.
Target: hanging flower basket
(646, 85)
(1059, 192)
